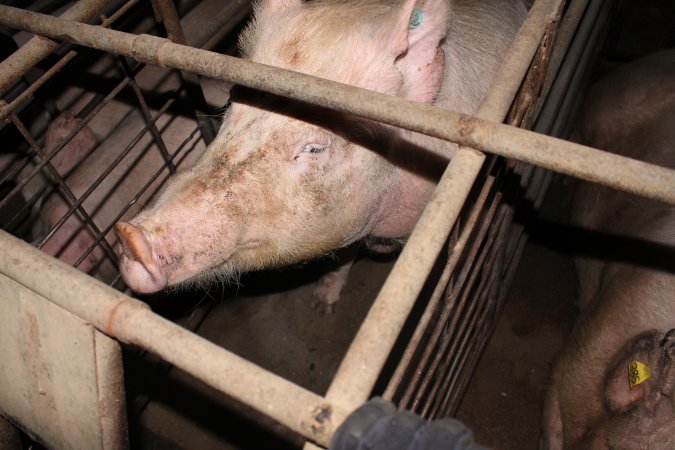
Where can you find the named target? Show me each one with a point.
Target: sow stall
(424, 333)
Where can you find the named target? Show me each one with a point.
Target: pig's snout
(137, 263)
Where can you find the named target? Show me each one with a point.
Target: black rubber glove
(378, 426)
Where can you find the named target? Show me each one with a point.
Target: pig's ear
(642, 380)
(419, 30)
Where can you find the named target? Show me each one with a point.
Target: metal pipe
(455, 251)
(363, 362)
(21, 61)
(133, 322)
(6, 109)
(166, 10)
(591, 23)
(572, 159)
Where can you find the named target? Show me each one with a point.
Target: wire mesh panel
(106, 150)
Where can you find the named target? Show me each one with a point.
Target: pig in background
(116, 190)
(627, 287)
(285, 182)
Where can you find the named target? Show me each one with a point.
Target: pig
(116, 191)
(627, 288)
(285, 182)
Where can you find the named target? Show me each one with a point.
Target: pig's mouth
(147, 271)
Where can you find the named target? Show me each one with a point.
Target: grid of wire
(28, 161)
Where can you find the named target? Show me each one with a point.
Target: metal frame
(311, 415)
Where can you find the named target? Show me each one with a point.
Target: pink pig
(599, 396)
(285, 182)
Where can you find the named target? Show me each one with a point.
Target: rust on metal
(18, 63)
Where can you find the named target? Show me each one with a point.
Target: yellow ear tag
(638, 373)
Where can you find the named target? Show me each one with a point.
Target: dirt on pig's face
(285, 181)
(270, 190)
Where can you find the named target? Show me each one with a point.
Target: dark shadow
(379, 138)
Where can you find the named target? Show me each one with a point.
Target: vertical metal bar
(361, 366)
(147, 115)
(166, 10)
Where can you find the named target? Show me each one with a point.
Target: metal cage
(425, 331)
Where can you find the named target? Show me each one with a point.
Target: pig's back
(631, 113)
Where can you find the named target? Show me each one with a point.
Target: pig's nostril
(137, 265)
(134, 241)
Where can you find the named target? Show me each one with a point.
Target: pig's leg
(327, 292)
(552, 432)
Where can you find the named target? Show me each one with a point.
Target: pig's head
(284, 181)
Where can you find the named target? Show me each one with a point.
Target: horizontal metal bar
(133, 322)
(5, 110)
(572, 159)
(35, 50)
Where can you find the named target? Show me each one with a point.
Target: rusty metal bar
(63, 187)
(30, 90)
(479, 299)
(569, 27)
(132, 322)
(361, 366)
(35, 50)
(456, 302)
(555, 154)
(166, 10)
(455, 251)
(49, 154)
(147, 115)
(151, 121)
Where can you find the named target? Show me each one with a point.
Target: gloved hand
(378, 426)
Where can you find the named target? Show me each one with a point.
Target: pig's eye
(314, 148)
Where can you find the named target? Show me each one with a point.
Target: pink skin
(73, 238)
(284, 182)
(628, 305)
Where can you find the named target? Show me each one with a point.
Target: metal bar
(456, 250)
(460, 250)
(363, 362)
(35, 50)
(572, 159)
(30, 90)
(57, 148)
(166, 10)
(478, 302)
(457, 307)
(63, 187)
(132, 322)
(577, 22)
(76, 203)
(147, 115)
